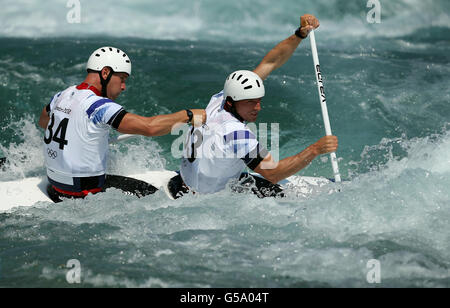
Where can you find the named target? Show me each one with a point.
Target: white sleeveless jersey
(218, 151)
(77, 135)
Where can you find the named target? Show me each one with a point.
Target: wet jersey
(77, 135)
(219, 150)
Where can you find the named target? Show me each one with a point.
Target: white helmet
(244, 85)
(112, 57)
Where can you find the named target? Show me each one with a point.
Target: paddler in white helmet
(220, 150)
(78, 120)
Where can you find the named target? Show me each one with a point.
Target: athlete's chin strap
(105, 82)
(231, 108)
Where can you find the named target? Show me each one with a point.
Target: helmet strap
(231, 108)
(105, 82)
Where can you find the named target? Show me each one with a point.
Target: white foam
(253, 20)
(24, 158)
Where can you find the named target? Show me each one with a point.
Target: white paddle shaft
(323, 103)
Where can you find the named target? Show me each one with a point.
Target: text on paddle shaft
(320, 80)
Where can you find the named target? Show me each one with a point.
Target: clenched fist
(325, 145)
(308, 23)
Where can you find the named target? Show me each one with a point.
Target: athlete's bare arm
(275, 172)
(44, 118)
(148, 126)
(158, 125)
(284, 50)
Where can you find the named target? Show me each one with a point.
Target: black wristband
(190, 115)
(299, 34)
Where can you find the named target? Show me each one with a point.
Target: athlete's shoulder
(59, 96)
(216, 101)
(218, 95)
(64, 92)
(68, 90)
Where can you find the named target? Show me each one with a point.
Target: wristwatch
(190, 115)
(299, 34)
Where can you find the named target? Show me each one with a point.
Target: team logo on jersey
(65, 110)
(52, 154)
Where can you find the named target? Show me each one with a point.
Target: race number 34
(60, 133)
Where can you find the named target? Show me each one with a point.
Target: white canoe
(29, 191)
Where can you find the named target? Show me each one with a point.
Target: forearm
(151, 126)
(293, 164)
(282, 52)
(163, 124)
(278, 56)
(43, 119)
(289, 166)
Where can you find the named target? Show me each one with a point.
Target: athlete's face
(116, 85)
(248, 109)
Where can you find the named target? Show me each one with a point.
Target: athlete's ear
(228, 104)
(105, 72)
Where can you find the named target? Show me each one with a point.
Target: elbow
(43, 123)
(153, 131)
(148, 129)
(272, 178)
(270, 171)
